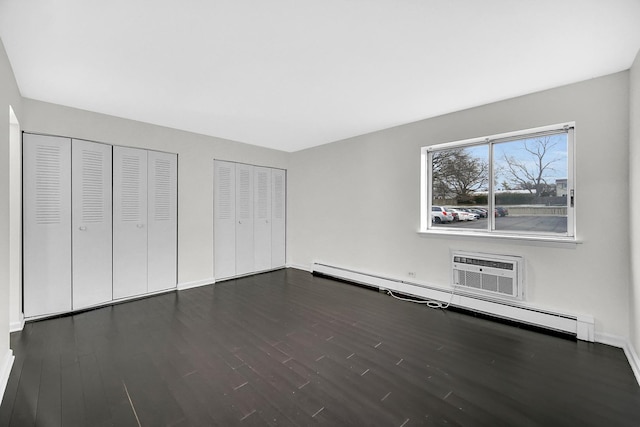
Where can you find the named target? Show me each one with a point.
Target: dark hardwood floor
(287, 348)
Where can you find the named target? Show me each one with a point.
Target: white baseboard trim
(5, 370)
(300, 267)
(612, 340)
(17, 326)
(582, 326)
(634, 360)
(101, 305)
(197, 283)
(625, 345)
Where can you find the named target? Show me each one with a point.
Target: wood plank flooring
(287, 348)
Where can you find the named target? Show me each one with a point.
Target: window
(518, 184)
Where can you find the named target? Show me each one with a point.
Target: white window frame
(426, 225)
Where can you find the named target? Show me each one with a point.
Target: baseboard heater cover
(580, 326)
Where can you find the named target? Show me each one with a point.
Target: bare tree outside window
(531, 165)
(529, 171)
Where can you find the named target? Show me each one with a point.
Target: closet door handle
(139, 225)
(82, 228)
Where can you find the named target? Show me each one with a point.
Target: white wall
(9, 96)
(634, 161)
(356, 203)
(195, 169)
(16, 318)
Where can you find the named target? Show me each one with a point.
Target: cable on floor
(429, 303)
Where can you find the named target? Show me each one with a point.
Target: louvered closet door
(244, 219)
(224, 223)
(129, 222)
(278, 217)
(47, 224)
(162, 220)
(262, 218)
(92, 223)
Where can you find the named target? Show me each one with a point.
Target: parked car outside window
(440, 215)
(480, 211)
(470, 213)
(462, 214)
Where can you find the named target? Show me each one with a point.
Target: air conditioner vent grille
(484, 262)
(494, 275)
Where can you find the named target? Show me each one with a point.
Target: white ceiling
(292, 74)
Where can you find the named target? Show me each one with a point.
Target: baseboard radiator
(580, 326)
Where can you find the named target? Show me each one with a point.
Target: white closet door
(278, 217)
(129, 222)
(47, 224)
(162, 220)
(224, 223)
(244, 219)
(262, 218)
(92, 223)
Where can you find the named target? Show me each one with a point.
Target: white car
(471, 216)
(464, 215)
(440, 215)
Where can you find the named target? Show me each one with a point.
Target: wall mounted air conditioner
(488, 274)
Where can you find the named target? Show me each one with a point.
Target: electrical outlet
(411, 274)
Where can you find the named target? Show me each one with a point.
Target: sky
(556, 151)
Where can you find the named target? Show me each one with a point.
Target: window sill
(560, 240)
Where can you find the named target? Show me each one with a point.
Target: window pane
(459, 187)
(530, 182)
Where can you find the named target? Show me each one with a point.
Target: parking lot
(541, 224)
